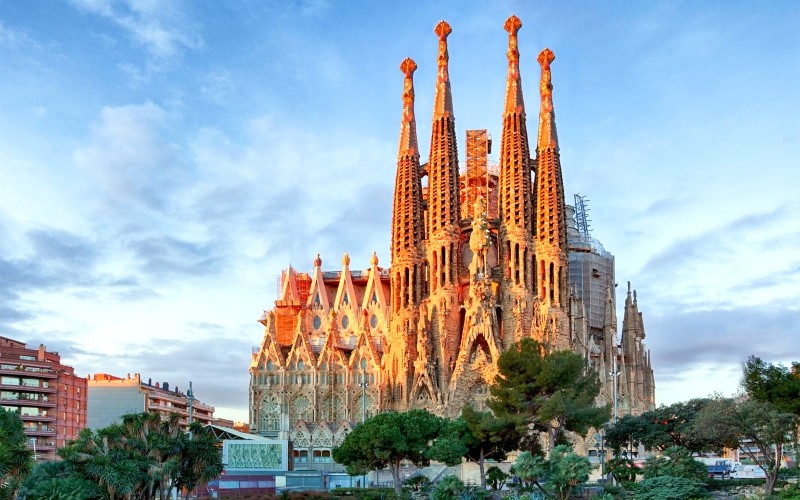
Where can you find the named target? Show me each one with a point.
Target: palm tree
(16, 460)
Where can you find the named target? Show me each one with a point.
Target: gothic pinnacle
(443, 103)
(514, 101)
(548, 139)
(408, 124)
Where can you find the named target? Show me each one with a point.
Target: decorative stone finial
(318, 261)
(512, 25)
(408, 126)
(546, 86)
(346, 259)
(443, 100)
(548, 138)
(442, 30)
(374, 259)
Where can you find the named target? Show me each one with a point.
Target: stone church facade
(479, 260)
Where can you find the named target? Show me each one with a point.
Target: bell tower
(551, 222)
(516, 211)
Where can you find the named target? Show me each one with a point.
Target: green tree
(56, 480)
(476, 436)
(777, 385)
(623, 469)
(496, 477)
(676, 462)
(529, 468)
(562, 471)
(774, 384)
(16, 460)
(388, 439)
(566, 469)
(447, 488)
(547, 392)
(750, 425)
(144, 456)
(662, 428)
(200, 460)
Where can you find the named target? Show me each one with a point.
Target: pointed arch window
(270, 413)
(301, 409)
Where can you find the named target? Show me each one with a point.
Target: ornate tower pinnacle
(514, 101)
(548, 139)
(407, 215)
(443, 103)
(443, 217)
(408, 123)
(407, 263)
(551, 215)
(516, 202)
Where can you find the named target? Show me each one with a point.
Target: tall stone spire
(443, 200)
(516, 212)
(407, 242)
(551, 219)
(443, 215)
(407, 213)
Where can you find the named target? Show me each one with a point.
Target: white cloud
(158, 26)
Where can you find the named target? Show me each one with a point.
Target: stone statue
(479, 239)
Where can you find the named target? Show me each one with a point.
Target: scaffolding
(582, 219)
(479, 178)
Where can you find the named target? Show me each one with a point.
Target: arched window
(270, 413)
(301, 409)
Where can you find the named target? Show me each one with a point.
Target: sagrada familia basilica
(479, 260)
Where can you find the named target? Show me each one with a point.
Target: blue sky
(161, 161)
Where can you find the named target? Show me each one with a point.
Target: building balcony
(28, 402)
(40, 433)
(27, 388)
(37, 418)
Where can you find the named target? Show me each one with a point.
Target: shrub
(670, 488)
(418, 482)
(623, 469)
(448, 488)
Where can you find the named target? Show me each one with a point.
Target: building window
(300, 456)
(322, 456)
(270, 413)
(301, 409)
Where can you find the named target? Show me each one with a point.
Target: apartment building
(47, 395)
(111, 397)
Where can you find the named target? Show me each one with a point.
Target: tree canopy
(662, 428)
(476, 436)
(386, 440)
(144, 456)
(772, 383)
(546, 392)
(756, 427)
